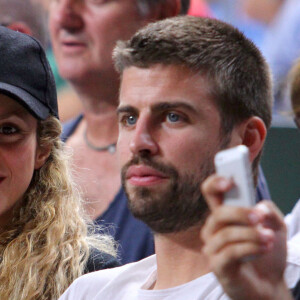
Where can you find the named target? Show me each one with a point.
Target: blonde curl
(48, 242)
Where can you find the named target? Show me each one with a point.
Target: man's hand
(246, 247)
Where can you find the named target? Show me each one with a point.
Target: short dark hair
(238, 75)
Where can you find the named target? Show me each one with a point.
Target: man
(83, 36)
(190, 87)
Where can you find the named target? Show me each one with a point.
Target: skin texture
(245, 246)
(19, 154)
(165, 115)
(169, 131)
(83, 35)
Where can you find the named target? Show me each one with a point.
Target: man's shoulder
(292, 221)
(103, 281)
(292, 272)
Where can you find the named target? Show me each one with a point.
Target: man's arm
(246, 246)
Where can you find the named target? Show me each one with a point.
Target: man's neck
(101, 127)
(179, 258)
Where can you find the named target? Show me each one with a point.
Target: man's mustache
(168, 170)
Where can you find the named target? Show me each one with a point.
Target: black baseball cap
(25, 74)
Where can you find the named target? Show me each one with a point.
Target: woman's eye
(7, 130)
(173, 117)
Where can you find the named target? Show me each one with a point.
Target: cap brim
(39, 110)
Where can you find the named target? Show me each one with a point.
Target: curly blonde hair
(47, 244)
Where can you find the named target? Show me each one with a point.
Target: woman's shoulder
(99, 260)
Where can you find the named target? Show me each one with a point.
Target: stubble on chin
(173, 206)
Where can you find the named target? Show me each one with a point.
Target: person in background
(292, 219)
(281, 47)
(189, 88)
(30, 17)
(83, 35)
(45, 240)
(27, 16)
(199, 8)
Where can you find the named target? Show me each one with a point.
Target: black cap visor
(32, 104)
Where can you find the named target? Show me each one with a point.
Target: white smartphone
(234, 163)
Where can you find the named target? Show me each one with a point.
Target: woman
(44, 241)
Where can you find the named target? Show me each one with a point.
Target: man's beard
(171, 207)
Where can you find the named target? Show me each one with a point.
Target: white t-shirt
(131, 282)
(292, 221)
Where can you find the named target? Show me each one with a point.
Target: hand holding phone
(234, 163)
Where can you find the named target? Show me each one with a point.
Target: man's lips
(142, 175)
(70, 45)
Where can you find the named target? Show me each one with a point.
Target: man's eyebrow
(126, 109)
(162, 106)
(172, 105)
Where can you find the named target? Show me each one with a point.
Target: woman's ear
(253, 133)
(42, 154)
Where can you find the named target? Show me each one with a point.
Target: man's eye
(7, 130)
(127, 120)
(97, 1)
(131, 120)
(173, 117)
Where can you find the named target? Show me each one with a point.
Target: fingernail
(223, 183)
(263, 208)
(265, 234)
(253, 218)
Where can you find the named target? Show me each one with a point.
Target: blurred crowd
(273, 25)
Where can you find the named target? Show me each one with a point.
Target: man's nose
(143, 140)
(67, 13)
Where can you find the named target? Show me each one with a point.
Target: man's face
(169, 132)
(84, 33)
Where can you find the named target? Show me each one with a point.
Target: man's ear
(21, 27)
(253, 133)
(42, 154)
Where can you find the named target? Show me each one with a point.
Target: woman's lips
(142, 175)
